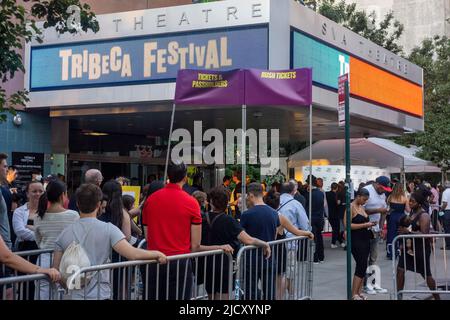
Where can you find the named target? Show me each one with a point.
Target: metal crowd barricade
(24, 289)
(16, 288)
(286, 275)
(410, 253)
(184, 277)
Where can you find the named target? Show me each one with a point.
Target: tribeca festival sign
(250, 87)
(152, 45)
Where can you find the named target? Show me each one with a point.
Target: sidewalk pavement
(330, 277)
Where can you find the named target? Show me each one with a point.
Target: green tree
(433, 55)
(18, 25)
(385, 34)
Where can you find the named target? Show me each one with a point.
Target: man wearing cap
(375, 207)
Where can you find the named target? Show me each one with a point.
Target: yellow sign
(134, 191)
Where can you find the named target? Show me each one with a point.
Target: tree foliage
(386, 33)
(433, 55)
(18, 26)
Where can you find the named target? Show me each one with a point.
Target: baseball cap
(384, 182)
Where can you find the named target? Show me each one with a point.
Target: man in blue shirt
(259, 221)
(295, 213)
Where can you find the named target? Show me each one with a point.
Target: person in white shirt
(445, 206)
(375, 207)
(23, 218)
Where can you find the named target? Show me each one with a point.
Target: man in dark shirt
(333, 216)
(317, 218)
(298, 196)
(259, 221)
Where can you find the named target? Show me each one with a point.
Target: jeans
(317, 228)
(259, 279)
(374, 249)
(392, 232)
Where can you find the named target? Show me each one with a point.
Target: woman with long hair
(417, 261)
(398, 204)
(115, 211)
(52, 218)
(360, 244)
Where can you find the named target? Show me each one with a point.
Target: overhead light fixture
(94, 133)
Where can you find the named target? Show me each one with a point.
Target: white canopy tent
(375, 152)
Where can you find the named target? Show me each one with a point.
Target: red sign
(341, 99)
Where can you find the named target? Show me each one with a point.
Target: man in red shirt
(174, 226)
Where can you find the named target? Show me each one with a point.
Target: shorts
(291, 264)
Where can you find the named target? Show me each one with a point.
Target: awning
(375, 152)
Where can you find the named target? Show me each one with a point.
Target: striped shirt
(48, 229)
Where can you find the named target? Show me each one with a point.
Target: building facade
(109, 94)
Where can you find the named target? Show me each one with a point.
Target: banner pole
(310, 161)
(347, 193)
(244, 159)
(168, 143)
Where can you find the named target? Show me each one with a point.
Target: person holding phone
(360, 244)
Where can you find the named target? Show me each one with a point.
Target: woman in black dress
(419, 261)
(360, 241)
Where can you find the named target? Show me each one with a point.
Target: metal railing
(19, 287)
(427, 261)
(286, 275)
(179, 279)
(212, 275)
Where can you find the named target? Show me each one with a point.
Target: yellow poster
(134, 191)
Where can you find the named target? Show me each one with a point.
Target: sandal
(363, 297)
(357, 297)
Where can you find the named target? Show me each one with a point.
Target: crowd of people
(175, 218)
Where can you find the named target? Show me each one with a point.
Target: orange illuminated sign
(372, 83)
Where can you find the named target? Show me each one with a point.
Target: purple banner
(261, 87)
(204, 87)
(283, 87)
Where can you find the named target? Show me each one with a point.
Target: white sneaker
(343, 245)
(379, 289)
(369, 291)
(333, 246)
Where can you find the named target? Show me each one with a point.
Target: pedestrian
(376, 207)
(98, 239)
(23, 225)
(293, 222)
(93, 176)
(445, 207)
(398, 204)
(419, 261)
(222, 229)
(360, 241)
(259, 221)
(136, 232)
(5, 231)
(317, 207)
(334, 217)
(174, 227)
(341, 202)
(116, 214)
(52, 219)
(434, 208)
(298, 196)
